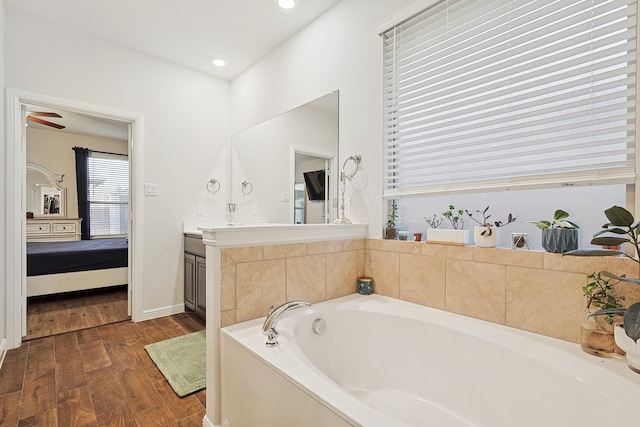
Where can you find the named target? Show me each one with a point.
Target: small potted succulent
(559, 235)
(487, 234)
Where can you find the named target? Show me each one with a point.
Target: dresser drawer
(39, 228)
(64, 227)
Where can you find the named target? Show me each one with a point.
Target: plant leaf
(593, 252)
(542, 224)
(560, 214)
(621, 278)
(573, 224)
(610, 311)
(631, 321)
(609, 241)
(619, 216)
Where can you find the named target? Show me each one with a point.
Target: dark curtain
(82, 154)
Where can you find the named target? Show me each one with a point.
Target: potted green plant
(391, 231)
(559, 235)
(621, 229)
(487, 234)
(596, 333)
(456, 234)
(455, 217)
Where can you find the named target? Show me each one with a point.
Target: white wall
(185, 135)
(340, 50)
(3, 196)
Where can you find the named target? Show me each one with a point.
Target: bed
(55, 267)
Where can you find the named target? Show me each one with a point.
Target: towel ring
(247, 188)
(213, 185)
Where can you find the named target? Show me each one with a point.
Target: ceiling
(239, 31)
(188, 33)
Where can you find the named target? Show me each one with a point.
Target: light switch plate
(151, 189)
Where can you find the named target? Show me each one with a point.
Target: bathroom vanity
(195, 275)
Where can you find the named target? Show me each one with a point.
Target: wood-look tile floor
(72, 311)
(99, 376)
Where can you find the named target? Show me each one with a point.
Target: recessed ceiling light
(218, 62)
(287, 4)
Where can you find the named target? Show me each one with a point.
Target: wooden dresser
(50, 230)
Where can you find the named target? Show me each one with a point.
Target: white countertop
(197, 227)
(226, 234)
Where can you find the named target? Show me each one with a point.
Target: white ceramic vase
(630, 347)
(486, 237)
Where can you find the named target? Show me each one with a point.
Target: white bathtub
(385, 363)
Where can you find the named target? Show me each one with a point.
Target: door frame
(331, 178)
(15, 204)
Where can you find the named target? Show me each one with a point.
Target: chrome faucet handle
(272, 338)
(270, 323)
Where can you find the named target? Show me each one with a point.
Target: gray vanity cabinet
(195, 296)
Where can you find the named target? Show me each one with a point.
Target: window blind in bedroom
(499, 94)
(108, 193)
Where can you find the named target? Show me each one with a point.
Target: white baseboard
(162, 311)
(207, 423)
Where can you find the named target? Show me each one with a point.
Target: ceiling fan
(31, 117)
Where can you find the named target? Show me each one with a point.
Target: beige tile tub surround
(535, 291)
(531, 290)
(255, 278)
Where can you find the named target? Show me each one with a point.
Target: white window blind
(108, 194)
(483, 95)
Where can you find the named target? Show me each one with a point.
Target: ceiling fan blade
(45, 114)
(44, 122)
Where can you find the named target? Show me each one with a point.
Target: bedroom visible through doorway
(88, 289)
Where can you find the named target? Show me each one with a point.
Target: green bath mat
(182, 361)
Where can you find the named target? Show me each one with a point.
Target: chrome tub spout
(269, 326)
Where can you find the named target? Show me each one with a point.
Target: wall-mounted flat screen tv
(314, 181)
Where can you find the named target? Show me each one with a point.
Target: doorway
(17, 103)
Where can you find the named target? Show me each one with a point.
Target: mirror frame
(54, 180)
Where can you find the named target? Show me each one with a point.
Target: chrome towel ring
(213, 185)
(247, 188)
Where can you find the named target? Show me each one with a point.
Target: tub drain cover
(319, 326)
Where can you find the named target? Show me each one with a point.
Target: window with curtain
(494, 95)
(108, 194)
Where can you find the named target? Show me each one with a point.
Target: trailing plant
(455, 217)
(559, 221)
(434, 222)
(485, 221)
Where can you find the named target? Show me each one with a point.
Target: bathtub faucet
(269, 326)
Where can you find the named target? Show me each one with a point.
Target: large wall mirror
(284, 169)
(45, 197)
